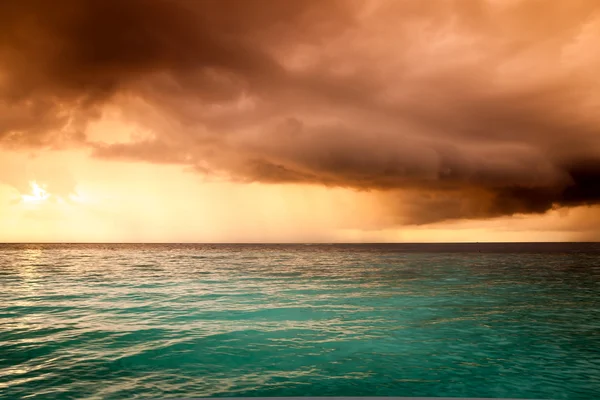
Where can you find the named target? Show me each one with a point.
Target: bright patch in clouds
(38, 193)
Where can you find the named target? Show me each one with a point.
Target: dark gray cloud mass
(472, 109)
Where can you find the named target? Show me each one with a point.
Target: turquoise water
(140, 321)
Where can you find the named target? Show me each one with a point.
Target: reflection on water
(122, 321)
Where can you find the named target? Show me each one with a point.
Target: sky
(299, 121)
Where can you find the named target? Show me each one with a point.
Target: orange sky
(310, 121)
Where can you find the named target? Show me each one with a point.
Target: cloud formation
(454, 109)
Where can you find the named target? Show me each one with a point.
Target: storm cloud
(453, 109)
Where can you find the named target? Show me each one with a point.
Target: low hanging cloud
(453, 109)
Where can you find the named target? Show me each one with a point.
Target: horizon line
(311, 243)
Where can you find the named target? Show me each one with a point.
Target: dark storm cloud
(63, 59)
(457, 109)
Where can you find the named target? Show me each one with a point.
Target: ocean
(116, 321)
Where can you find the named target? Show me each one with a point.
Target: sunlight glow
(38, 193)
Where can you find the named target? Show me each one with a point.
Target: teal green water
(140, 321)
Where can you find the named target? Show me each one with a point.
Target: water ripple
(143, 321)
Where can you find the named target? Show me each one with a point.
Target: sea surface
(120, 321)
